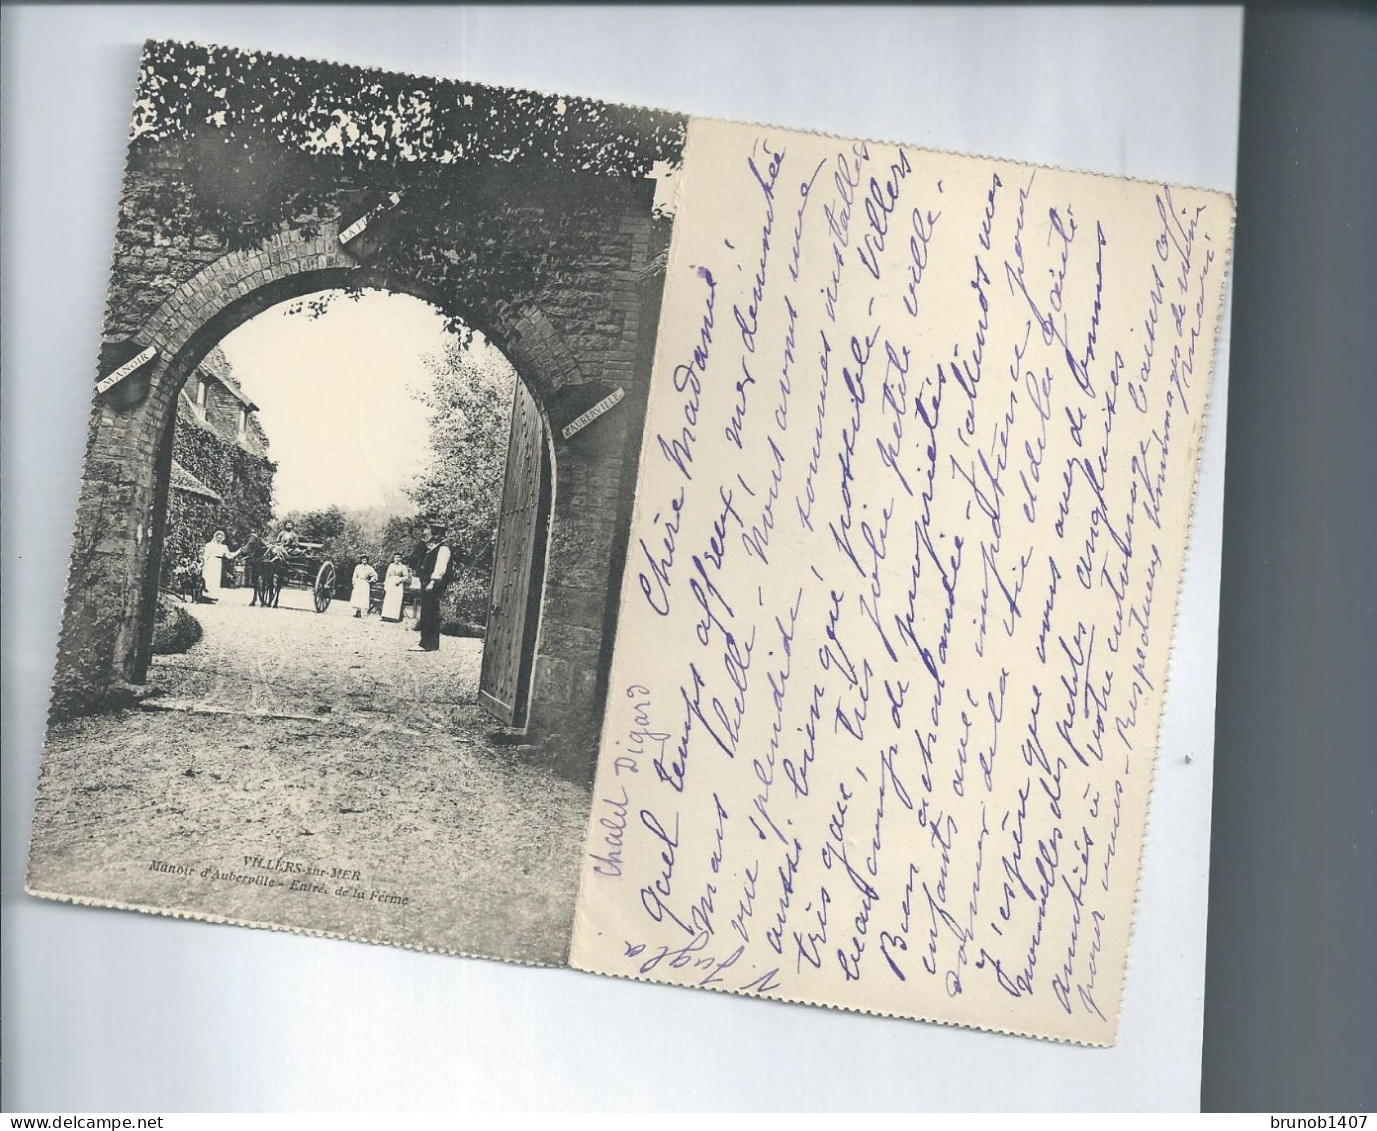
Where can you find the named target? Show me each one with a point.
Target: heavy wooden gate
(518, 574)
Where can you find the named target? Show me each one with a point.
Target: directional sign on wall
(573, 408)
(126, 371)
(584, 419)
(359, 226)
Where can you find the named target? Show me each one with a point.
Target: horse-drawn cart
(294, 568)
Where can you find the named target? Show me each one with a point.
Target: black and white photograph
(351, 526)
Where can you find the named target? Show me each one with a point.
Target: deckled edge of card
(285, 928)
(686, 115)
(30, 887)
(1208, 410)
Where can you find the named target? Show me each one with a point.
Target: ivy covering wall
(243, 480)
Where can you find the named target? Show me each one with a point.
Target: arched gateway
(557, 266)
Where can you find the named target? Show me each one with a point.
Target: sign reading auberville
(583, 421)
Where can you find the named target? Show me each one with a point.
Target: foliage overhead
(497, 186)
(369, 116)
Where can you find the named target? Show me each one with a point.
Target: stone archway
(113, 584)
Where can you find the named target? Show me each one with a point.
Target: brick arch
(131, 460)
(241, 284)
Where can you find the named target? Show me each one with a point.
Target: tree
(322, 526)
(470, 405)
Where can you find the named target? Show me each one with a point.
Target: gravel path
(359, 771)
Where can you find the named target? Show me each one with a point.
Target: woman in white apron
(364, 576)
(398, 574)
(213, 558)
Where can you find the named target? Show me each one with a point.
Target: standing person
(364, 576)
(434, 574)
(213, 557)
(394, 588)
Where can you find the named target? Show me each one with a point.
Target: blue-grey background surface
(1291, 979)
(128, 1012)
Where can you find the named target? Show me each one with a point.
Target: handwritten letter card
(897, 609)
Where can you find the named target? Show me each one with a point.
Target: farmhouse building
(221, 474)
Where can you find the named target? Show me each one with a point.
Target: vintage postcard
(361, 465)
(519, 526)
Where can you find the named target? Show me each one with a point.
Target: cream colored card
(896, 617)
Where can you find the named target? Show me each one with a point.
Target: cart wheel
(325, 586)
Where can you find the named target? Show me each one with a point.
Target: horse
(266, 569)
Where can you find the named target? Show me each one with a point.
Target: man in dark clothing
(434, 574)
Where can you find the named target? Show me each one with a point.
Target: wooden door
(518, 574)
